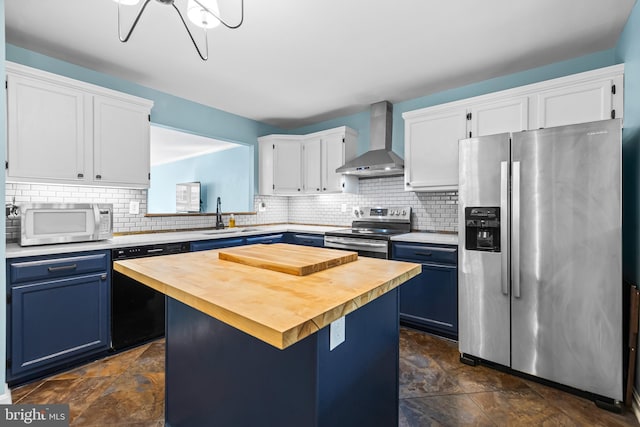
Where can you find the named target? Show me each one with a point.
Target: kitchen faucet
(219, 223)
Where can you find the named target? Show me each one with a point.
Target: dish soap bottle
(232, 221)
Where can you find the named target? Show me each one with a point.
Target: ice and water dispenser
(482, 229)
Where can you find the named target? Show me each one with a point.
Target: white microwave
(47, 223)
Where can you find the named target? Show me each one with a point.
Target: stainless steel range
(371, 231)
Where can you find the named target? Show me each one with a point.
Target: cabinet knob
(408, 183)
(324, 189)
(298, 189)
(80, 175)
(98, 176)
(317, 189)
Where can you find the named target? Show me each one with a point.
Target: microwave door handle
(96, 219)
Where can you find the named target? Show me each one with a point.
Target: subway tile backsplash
(431, 211)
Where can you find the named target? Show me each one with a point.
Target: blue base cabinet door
(56, 322)
(429, 301)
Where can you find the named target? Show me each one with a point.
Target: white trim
(5, 398)
(526, 90)
(13, 68)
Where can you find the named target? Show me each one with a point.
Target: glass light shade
(201, 17)
(127, 2)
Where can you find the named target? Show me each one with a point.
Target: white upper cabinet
(338, 147)
(579, 103)
(46, 131)
(312, 165)
(431, 149)
(120, 128)
(287, 167)
(68, 132)
(432, 134)
(306, 164)
(506, 115)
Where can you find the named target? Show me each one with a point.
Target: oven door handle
(363, 244)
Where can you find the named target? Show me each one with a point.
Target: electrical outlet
(343, 207)
(337, 333)
(134, 207)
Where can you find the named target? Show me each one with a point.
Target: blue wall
(628, 51)
(360, 121)
(168, 110)
(218, 174)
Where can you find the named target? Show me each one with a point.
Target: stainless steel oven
(371, 231)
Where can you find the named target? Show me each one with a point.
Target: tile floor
(435, 390)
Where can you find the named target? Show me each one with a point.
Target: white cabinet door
(312, 167)
(506, 115)
(431, 149)
(121, 142)
(46, 131)
(287, 167)
(333, 147)
(578, 103)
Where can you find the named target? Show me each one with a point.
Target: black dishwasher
(137, 311)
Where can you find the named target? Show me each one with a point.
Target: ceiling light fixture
(203, 13)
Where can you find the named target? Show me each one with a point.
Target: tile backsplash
(431, 211)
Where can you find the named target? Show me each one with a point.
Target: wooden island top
(278, 308)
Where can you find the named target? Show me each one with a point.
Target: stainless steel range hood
(380, 160)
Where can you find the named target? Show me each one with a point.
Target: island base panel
(218, 375)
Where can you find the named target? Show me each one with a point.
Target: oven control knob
(404, 213)
(361, 213)
(356, 212)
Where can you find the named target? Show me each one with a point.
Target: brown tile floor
(435, 390)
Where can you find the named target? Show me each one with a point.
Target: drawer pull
(423, 253)
(62, 268)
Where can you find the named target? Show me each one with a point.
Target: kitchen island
(251, 346)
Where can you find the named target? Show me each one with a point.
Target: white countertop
(13, 250)
(427, 237)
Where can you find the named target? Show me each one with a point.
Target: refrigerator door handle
(504, 228)
(515, 231)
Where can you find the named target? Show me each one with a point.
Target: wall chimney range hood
(380, 160)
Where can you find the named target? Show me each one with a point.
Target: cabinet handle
(80, 175)
(423, 253)
(103, 277)
(98, 176)
(62, 268)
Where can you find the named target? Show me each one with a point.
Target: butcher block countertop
(278, 308)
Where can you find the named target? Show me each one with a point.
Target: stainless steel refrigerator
(540, 259)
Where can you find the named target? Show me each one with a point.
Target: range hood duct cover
(380, 160)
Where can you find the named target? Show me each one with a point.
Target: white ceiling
(297, 62)
(169, 145)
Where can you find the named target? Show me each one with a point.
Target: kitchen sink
(219, 231)
(228, 230)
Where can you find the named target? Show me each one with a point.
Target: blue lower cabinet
(429, 301)
(205, 245)
(308, 240)
(56, 322)
(270, 238)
